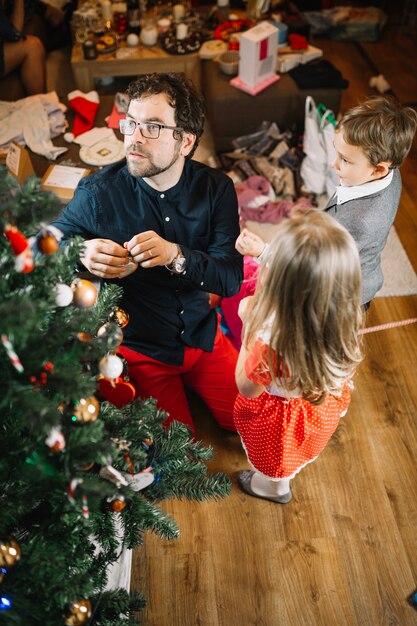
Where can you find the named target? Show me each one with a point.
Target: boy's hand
(249, 244)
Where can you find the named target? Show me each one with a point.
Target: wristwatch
(177, 264)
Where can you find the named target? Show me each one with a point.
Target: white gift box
(258, 49)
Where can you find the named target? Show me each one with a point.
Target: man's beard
(149, 169)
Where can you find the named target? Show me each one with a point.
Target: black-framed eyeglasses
(149, 130)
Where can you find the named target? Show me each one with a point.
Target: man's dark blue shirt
(167, 311)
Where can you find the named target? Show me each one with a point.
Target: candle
(149, 35)
(106, 11)
(182, 31)
(178, 12)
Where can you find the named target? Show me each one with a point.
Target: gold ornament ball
(120, 316)
(85, 293)
(9, 552)
(117, 505)
(48, 244)
(77, 612)
(87, 410)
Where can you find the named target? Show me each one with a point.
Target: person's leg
(260, 486)
(212, 377)
(28, 56)
(161, 381)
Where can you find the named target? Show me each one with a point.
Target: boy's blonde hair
(310, 289)
(382, 127)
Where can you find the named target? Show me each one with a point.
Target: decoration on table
(77, 612)
(85, 106)
(118, 391)
(149, 33)
(21, 249)
(85, 293)
(86, 410)
(9, 553)
(225, 31)
(212, 48)
(63, 294)
(106, 44)
(111, 366)
(117, 504)
(182, 40)
(55, 440)
(14, 359)
(119, 316)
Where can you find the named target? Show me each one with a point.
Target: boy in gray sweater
(371, 141)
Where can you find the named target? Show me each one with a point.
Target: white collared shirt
(344, 194)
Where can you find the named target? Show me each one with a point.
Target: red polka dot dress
(281, 435)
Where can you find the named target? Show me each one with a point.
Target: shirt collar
(343, 194)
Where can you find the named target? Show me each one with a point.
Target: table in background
(141, 60)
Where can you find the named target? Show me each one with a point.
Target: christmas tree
(83, 461)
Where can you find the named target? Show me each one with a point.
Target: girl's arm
(244, 384)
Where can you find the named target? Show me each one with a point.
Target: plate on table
(103, 152)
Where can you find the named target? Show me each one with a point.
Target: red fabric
(210, 374)
(18, 241)
(297, 42)
(280, 436)
(230, 306)
(85, 106)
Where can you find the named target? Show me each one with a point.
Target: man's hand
(150, 250)
(107, 259)
(249, 244)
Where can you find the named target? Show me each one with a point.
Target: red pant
(210, 374)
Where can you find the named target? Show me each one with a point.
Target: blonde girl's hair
(310, 291)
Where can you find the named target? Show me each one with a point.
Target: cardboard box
(258, 49)
(62, 180)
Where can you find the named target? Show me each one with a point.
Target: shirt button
(162, 195)
(201, 283)
(167, 219)
(182, 312)
(182, 332)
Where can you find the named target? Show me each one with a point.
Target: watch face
(179, 264)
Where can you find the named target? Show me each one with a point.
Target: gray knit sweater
(369, 219)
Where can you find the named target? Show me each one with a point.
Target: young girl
(300, 349)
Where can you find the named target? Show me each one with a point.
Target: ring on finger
(150, 253)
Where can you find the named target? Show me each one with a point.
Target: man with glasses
(164, 226)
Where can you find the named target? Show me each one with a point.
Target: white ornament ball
(132, 40)
(63, 294)
(111, 366)
(69, 137)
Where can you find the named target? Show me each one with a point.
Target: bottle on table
(133, 13)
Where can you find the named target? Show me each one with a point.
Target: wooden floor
(344, 551)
